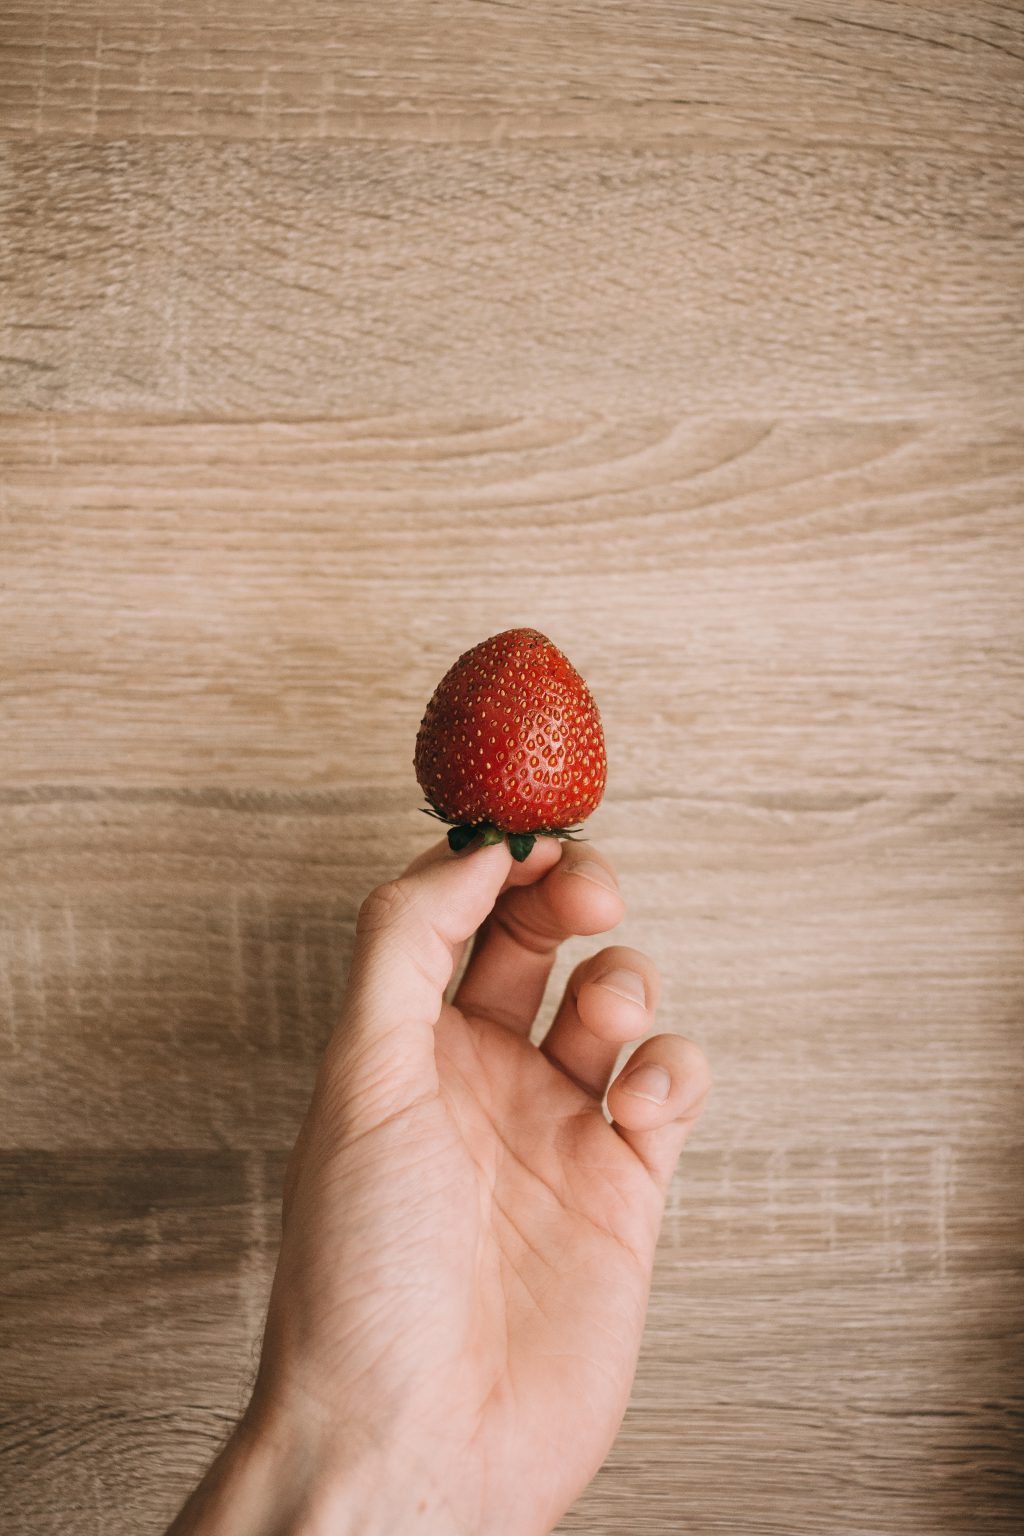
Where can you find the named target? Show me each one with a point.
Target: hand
(467, 1247)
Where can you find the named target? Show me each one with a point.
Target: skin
(467, 1238)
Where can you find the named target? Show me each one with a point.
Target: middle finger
(515, 948)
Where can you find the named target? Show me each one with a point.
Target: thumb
(407, 935)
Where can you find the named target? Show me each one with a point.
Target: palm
(565, 1222)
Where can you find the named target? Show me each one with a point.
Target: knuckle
(620, 957)
(592, 966)
(692, 1060)
(702, 1065)
(628, 957)
(528, 925)
(385, 906)
(642, 961)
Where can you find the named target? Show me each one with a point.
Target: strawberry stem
(519, 843)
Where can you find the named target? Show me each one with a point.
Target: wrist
(282, 1474)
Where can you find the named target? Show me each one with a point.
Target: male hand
(468, 1241)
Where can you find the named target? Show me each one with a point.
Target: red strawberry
(511, 743)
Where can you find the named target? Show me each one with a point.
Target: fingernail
(648, 1082)
(628, 984)
(590, 869)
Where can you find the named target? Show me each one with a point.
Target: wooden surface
(336, 338)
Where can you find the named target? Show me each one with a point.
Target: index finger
(543, 856)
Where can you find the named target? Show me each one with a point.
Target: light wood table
(339, 337)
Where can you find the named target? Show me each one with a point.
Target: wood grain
(335, 340)
(309, 279)
(218, 601)
(173, 969)
(882, 72)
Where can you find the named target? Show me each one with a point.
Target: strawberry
(511, 744)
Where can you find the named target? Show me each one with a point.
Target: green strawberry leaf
(461, 837)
